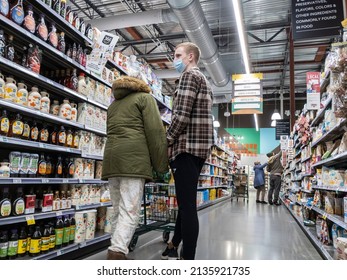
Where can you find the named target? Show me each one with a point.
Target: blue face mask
(179, 65)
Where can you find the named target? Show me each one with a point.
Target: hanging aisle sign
(247, 94)
(316, 18)
(313, 90)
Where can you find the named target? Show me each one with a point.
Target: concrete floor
(237, 231)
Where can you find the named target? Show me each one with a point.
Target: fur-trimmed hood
(126, 85)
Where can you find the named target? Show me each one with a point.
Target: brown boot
(113, 255)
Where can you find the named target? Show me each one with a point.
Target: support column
(291, 75)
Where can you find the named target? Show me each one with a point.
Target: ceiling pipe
(135, 19)
(194, 24)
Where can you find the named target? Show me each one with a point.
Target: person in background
(136, 143)
(259, 181)
(190, 138)
(276, 169)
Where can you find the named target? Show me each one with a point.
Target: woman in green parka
(136, 144)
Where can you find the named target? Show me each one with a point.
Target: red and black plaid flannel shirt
(191, 129)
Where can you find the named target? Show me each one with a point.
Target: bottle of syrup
(62, 136)
(41, 172)
(4, 124)
(34, 132)
(59, 168)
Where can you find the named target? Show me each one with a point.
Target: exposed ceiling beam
(134, 33)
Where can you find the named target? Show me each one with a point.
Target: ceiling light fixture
(256, 122)
(241, 33)
(273, 123)
(276, 115)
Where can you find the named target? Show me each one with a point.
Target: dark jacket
(136, 139)
(259, 175)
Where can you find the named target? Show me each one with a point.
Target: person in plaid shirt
(190, 137)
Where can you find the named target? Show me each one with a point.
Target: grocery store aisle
(238, 231)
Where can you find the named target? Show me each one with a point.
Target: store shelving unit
(311, 167)
(52, 56)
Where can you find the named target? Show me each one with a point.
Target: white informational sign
(102, 51)
(284, 142)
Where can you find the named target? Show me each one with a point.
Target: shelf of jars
(53, 53)
(334, 133)
(34, 217)
(44, 82)
(82, 148)
(51, 181)
(17, 142)
(99, 237)
(66, 21)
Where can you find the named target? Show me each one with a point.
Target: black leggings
(186, 170)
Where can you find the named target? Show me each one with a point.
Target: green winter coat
(136, 139)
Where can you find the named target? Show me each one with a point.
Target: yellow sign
(344, 23)
(236, 77)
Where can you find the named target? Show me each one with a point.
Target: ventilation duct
(193, 21)
(135, 19)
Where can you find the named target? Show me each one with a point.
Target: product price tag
(65, 181)
(45, 181)
(59, 253)
(4, 139)
(81, 181)
(17, 181)
(41, 145)
(83, 244)
(325, 216)
(30, 220)
(59, 213)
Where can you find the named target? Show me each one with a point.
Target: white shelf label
(30, 220)
(59, 213)
(45, 181)
(81, 181)
(58, 253)
(65, 181)
(41, 145)
(17, 181)
(83, 244)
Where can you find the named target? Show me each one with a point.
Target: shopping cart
(240, 186)
(159, 211)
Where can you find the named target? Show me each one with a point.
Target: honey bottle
(71, 168)
(49, 167)
(4, 124)
(62, 136)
